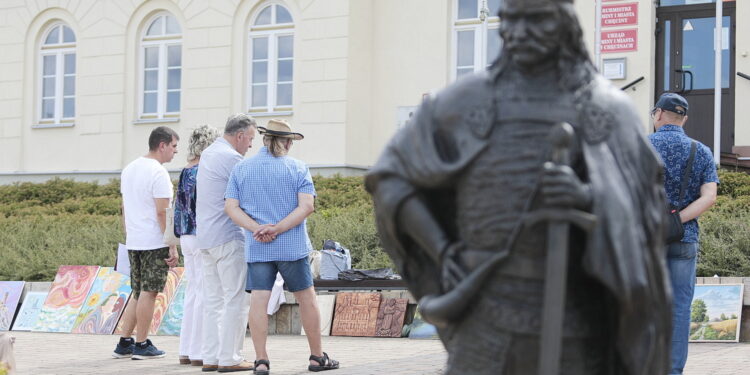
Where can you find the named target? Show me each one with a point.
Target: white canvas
(326, 304)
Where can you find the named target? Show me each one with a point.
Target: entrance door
(685, 65)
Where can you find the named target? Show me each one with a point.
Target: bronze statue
(523, 206)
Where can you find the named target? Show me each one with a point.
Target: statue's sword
(557, 259)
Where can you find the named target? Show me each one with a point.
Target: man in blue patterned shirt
(271, 195)
(673, 145)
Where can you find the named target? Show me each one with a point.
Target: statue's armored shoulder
(604, 110)
(466, 103)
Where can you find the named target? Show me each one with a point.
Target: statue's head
(536, 31)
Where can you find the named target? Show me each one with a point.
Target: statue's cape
(625, 252)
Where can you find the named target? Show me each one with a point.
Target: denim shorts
(262, 275)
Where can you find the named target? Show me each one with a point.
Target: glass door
(686, 65)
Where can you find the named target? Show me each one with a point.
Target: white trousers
(191, 337)
(225, 303)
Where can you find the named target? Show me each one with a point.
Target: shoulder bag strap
(686, 175)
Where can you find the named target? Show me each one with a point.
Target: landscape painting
(29, 312)
(10, 294)
(419, 329)
(65, 298)
(104, 303)
(715, 313)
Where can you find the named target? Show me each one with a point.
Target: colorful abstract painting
(162, 300)
(29, 312)
(10, 294)
(172, 321)
(104, 304)
(715, 314)
(65, 298)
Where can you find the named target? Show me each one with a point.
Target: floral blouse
(184, 207)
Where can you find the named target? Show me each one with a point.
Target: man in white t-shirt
(146, 194)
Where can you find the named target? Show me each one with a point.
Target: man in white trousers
(225, 304)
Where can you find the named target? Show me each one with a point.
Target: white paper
(122, 265)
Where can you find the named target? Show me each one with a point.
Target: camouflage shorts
(148, 270)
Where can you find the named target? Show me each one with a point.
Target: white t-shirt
(143, 180)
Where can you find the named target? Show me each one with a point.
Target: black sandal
(324, 363)
(262, 362)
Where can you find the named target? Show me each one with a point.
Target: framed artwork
(10, 294)
(715, 313)
(104, 304)
(65, 298)
(29, 312)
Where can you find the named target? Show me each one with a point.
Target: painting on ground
(715, 313)
(65, 298)
(172, 321)
(10, 294)
(104, 304)
(29, 312)
(419, 329)
(162, 300)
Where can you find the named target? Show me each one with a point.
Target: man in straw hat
(270, 195)
(505, 172)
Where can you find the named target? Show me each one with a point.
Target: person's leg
(298, 279)
(154, 271)
(310, 315)
(681, 260)
(260, 279)
(129, 316)
(259, 323)
(188, 310)
(212, 307)
(126, 345)
(144, 314)
(196, 280)
(234, 318)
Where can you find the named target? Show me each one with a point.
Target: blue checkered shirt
(267, 189)
(673, 145)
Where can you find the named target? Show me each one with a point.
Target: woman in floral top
(184, 228)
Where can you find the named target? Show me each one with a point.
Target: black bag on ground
(675, 229)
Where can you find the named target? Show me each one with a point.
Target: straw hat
(279, 128)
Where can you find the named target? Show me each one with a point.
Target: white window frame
(162, 42)
(59, 50)
(482, 30)
(273, 32)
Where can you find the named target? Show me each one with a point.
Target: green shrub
(34, 246)
(734, 184)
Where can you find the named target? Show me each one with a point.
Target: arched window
(271, 65)
(476, 37)
(160, 68)
(57, 65)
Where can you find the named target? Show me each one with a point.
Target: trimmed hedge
(43, 226)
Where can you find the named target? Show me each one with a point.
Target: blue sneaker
(124, 348)
(147, 351)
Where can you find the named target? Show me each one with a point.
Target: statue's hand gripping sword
(556, 273)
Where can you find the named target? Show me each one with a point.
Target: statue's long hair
(574, 64)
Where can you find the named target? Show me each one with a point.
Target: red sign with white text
(619, 41)
(620, 15)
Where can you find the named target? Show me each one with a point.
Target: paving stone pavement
(60, 353)
(57, 353)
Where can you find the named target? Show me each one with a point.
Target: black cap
(673, 103)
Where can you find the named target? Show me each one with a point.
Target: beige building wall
(108, 134)
(640, 63)
(356, 62)
(742, 86)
